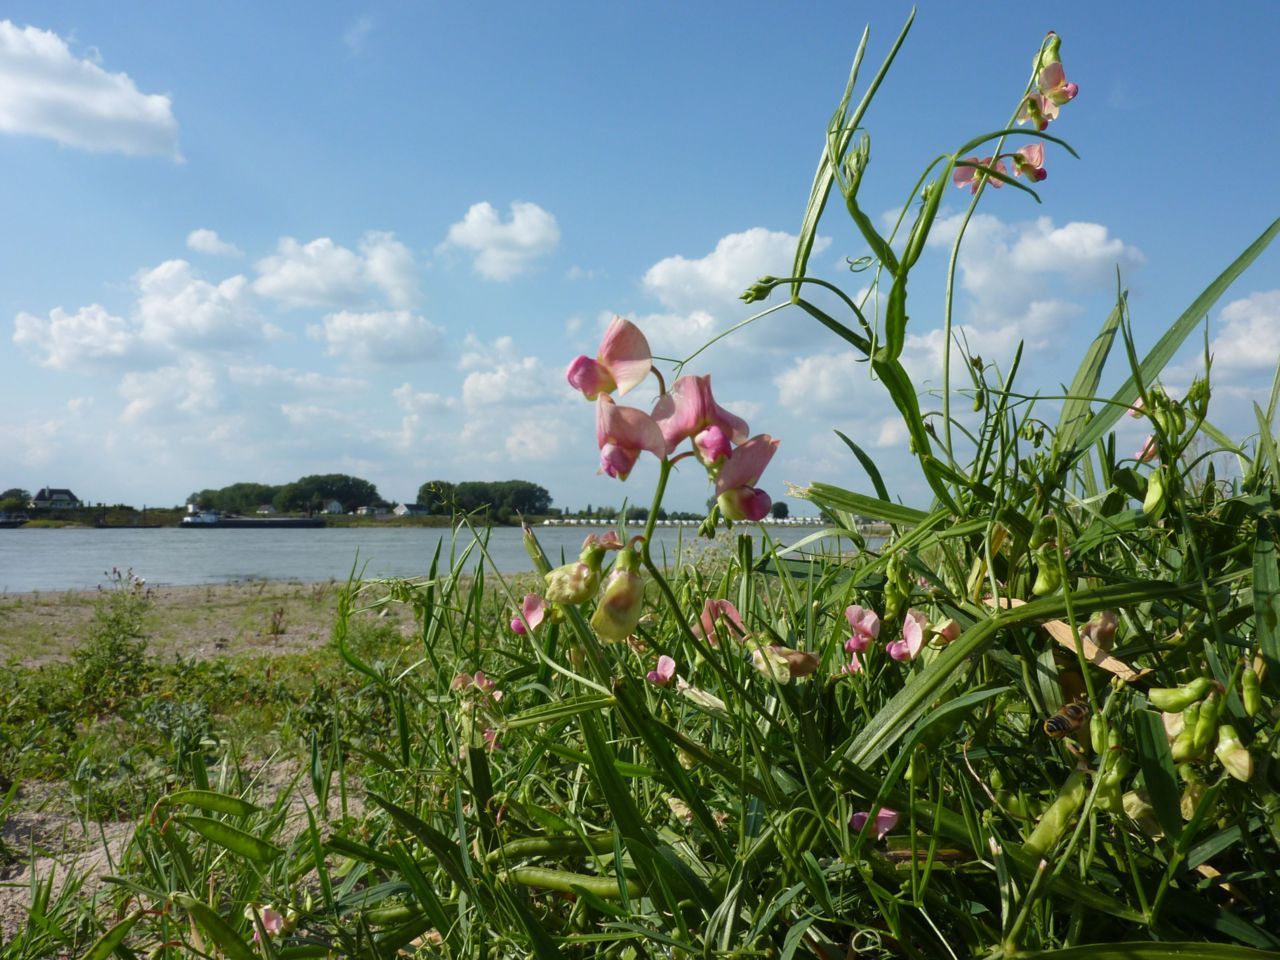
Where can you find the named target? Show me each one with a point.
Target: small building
(330, 506)
(410, 510)
(372, 510)
(54, 498)
(265, 510)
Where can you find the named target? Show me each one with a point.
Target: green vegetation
(503, 500)
(1040, 721)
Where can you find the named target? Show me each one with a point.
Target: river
(79, 559)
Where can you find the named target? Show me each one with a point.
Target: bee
(1069, 719)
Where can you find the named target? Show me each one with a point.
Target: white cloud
(354, 37)
(46, 91)
(535, 440)
(326, 274)
(89, 335)
(821, 380)
(720, 277)
(507, 383)
(207, 241)
(420, 411)
(308, 381)
(317, 274)
(505, 250)
(388, 264)
(1250, 335)
(177, 308)
(190, 387)
(386, 336)
(1085, 253)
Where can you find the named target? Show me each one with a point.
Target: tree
(436, 496)
(780, 511)
(311, 492)
(16, 493)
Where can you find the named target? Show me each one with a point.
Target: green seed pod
(1184, 743)
(979, 399)
(1177, 699)
(1251, 691)
(1048, 576)
(1206, 732)
(1099, 732)
(1055, 821)
(1046, 529)
(918, 768)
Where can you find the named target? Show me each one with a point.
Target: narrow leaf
(232, 838)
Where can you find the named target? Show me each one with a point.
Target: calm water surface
(77, 559)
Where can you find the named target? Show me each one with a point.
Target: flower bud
(744, 503)
(578, 582)
(1153, 503)
(619, 609)
(760, 290)
(1232, 754)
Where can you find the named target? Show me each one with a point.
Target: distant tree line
(14, 499)
(305, 494)
(501, 500)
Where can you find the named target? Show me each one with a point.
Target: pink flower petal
(913, 626)
(854, 665)
(712, 613)
(886, 820)
(863, 621)
(747, 463)
(624, 352)
(688, 408)
(712, 445)
(590, 377)
(664, 673)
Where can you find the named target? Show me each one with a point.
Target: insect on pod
(1067, 720)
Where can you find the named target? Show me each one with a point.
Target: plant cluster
(1041, 718)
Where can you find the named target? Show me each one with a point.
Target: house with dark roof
(54, 498)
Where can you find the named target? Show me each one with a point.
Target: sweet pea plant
(1040, 719)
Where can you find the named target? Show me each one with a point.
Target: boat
(213, 520)
(10, 520)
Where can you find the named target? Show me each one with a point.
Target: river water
(78, 559)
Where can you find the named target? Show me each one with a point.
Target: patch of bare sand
(260, 616)
(47, 841)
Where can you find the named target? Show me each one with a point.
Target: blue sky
(250, 242)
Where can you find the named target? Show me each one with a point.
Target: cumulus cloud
(303, 381)
(386, 336)
(326, 274)
(420, 411)
(46, 91)
(190, 387)
(207, 241)
(1250, 336)
(177, 308)
(738, 260)
(505, 250)
(818, 381)
(89, 335)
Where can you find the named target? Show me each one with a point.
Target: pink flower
(622, 433)
(490, 736)
(622, 362)
(664, 673)
(718, 616)
(1148, 451)
(913, 627)
(865, 624)
(972, 177)
(948, 631)
(532, 612)
(735, 486)
(688, 408)
(712, 446)
(1137, 409)
(1052, 89)
(854, 665)
(886, 820)
(273, 921)
(1029, 161)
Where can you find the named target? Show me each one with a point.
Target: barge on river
(212, 520)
